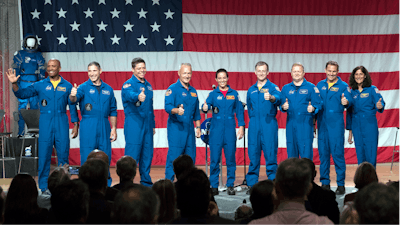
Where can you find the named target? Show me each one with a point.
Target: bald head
(98, 154)
(55, 61)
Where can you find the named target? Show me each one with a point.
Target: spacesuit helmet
(30, 43)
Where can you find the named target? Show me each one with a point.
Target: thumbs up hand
(285, 105)
(379, 104)
(142, 96)
(205, 106)
(74, 90)
(344, 100)
(267, 95)
(181, 111)
(310, 108)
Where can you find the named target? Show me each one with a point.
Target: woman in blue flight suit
(224, 102)
(361, 117)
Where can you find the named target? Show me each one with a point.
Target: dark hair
(293, 178)
(94, 172)
(221, 70)
(99, 154)
(165, 190)
(377, 204)
(332, 63)
(261, 63)
(367, 81)
(21, 201)
(70, 201)
(135, 204)
(58, 176)
(136, 61)
(193, 193)
(94, 63)
(126, 168)
(242, 212)
(311, 164)
(365, 174)
(182, 164)
(261, 198)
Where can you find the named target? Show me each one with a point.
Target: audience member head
(136, 204)
(2, 198)
(21, 200)
(182, 164)
(70, 201)
(293, 179)
(377, 204)
(59, 175)
(165, 190)
(193, 193)
(98, 154)
(94, 173)
(349, 214)
(311, 164)
(394, 184)
(126, 168)
(262, 198)
(242, 212)
(365, 174)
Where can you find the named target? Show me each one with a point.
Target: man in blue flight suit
(182, 105)
(263, 98)
(225, 103)
(335, 95)
(139, 127)
(53, 95)
(301, 101)
(29, 64)
(97, 103)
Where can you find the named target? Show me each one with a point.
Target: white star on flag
(48, 26)
(169, 14)
(61, 13)
(89, 39)
(115, 39)
(156, 2)
(102, 2)
(35, 14)
(115, 13)
(102, 26)
(155, 27)
(75, 2)
(88, 13)
(128, 26)
(38, 39)
(142, 13)
(142, 40)
(47, 2)
(75, 26)
(169, 40)
(128, 2)
(62, 40)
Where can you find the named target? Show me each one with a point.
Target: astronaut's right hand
(285, 105)
(74, 90)
(181, 111)
(11, 75)
(205, 106)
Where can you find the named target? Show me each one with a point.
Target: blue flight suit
(330, 124)
(223, 132)
(139, 125)
(180, 132)
(95, 109)
(361, 119)
(53, 122)
(263, 130)
(30, 65)
(299, 122)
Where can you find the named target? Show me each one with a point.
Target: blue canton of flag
(104, 25)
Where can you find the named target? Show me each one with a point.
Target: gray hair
(94, 63)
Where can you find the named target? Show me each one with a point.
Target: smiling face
(222, 80)
(359, 77)
(262, 73)
(139, 71)
(297, 73)
(53, 68)
(185, 74)
(94, 73)
(331, 73)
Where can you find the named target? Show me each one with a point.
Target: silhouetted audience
(365, 174)
(21, 202)
(94, 173)
(321, 201)
(126, 170)
(292, 183)
(182, 165)
(377, 204)
(136, 204)
(166, 193)
(70, 203)
(394, 184)
(349, 214)
(2, 199)
(243, 212)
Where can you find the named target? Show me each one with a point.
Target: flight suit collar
(180, 85)
(229, 89)
(135, 79)
(302, 84)
(268, 83)
(337, 82)
(90, 82)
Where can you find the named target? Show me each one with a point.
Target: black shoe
(248, 191)
(326, 187)
(340, 190)
(215, 191)
(231, 191)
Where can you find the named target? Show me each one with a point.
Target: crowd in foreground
(291, 198)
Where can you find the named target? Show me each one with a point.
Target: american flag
(213, 34)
